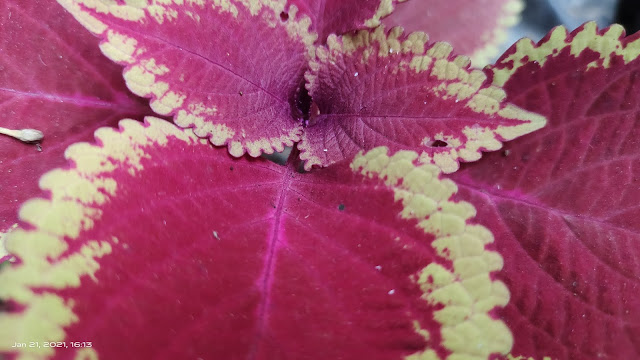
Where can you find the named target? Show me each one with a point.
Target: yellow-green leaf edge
(509, 17)
(607, 42)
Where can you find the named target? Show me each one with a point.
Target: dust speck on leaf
(215, 235)
(341, 207)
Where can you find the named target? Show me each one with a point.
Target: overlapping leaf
(53, 80)
(474, 28)
(339, 16)
(374, 88)
(563, 202)
(244, 91)
(229, 69)
(149, 239)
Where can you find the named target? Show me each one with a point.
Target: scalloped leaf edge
(470, 84)
(608, 41)
(140, 76)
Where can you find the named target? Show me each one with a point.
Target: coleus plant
(164, 241)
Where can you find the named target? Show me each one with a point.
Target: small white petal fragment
(30, 135)
(25, 135)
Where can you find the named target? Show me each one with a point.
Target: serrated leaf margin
(466, 84)
(607, 42)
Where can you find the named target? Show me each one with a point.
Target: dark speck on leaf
(284, 16)
(231, 168)
(341, 207)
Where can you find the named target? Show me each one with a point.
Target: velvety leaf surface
(53, 80)
(148, 248)
(474, 28)
(229, 69)
(563, 202)
(339, 16)
(374, 88)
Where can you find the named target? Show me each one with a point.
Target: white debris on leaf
(25, 135)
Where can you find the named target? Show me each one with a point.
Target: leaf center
(304, 106)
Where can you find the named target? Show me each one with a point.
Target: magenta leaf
(563, 202)
(245, 91)
(229, 69)
(52, 80)
(339, 16)
(148, 248)
(474, 28)
(374, 88)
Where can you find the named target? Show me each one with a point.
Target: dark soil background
(628, 15)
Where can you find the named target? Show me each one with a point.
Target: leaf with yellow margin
(376, 88)
(563, 202)
(339, 16)
(147, 247)
(51, 79)
(474, 28)
(229, 69)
